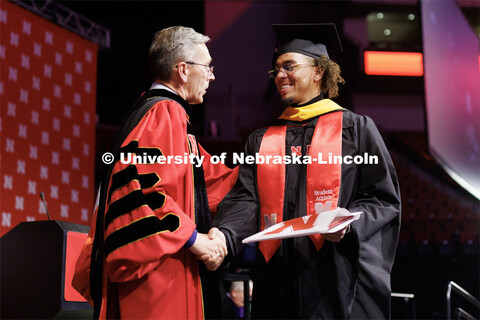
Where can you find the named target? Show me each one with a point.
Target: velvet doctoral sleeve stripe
(132, 201)
(148, 180)
(149, 218)
(124, 205)
(141, 229)
(141, 107)
(123, 177)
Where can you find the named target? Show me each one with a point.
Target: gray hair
(237, 286)
(170, 46)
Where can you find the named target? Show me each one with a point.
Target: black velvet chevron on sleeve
(140, 108)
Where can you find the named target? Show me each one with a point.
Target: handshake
(211, 248)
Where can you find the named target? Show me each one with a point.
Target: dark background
(123, 68)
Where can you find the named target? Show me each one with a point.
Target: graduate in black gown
(344, 275)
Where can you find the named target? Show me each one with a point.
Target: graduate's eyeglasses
(287, 69)
(209, 68)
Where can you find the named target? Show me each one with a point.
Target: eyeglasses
(287, 69)
(209, 68)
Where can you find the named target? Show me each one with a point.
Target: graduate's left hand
(337, 236)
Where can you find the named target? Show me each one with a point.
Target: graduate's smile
(284, 88)
(295, 78)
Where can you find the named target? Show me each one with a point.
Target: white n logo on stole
(321, 207)
(270, 220)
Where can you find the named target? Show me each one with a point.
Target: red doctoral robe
(149, 214)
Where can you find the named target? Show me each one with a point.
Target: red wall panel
(47, 119)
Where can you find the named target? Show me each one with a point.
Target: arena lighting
(386, 63)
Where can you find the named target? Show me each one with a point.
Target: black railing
(408, 303)
(452, 286)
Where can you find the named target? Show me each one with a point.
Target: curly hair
(331, 76)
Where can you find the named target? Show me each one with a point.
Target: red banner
(47, 120)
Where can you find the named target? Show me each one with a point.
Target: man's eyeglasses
(209, 68)
(286, 69)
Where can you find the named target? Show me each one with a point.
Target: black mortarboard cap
(312, 40)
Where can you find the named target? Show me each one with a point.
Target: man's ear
(318, 73)
(182, 71)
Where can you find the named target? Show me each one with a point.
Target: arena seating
(437, 216)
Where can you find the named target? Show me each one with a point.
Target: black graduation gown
(348, 279)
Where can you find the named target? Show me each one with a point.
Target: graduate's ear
(318, 73)
(182, 71)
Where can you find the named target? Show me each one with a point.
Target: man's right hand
(213, 262)
(213, 247)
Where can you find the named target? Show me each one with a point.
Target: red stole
(323, 180)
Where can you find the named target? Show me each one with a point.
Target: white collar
(157, 85)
